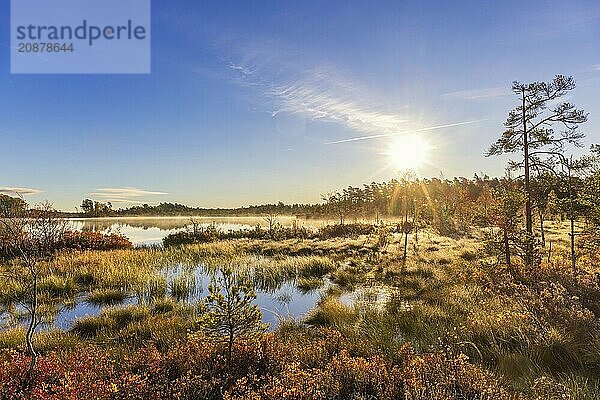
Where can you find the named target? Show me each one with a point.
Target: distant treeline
(460, 199)
(91, 208)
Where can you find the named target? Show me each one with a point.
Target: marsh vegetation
(448, 300)
(430, 288)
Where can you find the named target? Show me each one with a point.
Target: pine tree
(530, 132)
(228, 312)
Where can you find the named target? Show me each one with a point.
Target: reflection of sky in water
(4, 319)
(282, 302)
(287, 301)
(295, 305)
(368, 296)
(64, 319)
(146, 234)
(141, 236)
(151, 231)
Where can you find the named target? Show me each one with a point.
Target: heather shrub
(306, 365)
(76, 240)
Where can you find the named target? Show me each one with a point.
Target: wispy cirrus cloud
(241, 69)
(322, 95)
(317, 99)
(19, 191)
(318, 93)
(130, 195)
(478, 94)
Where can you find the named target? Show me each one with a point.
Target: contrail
(431, 128)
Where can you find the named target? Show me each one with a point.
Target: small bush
(200, 235)
(468, 256)
(77, 240)
(346, 230)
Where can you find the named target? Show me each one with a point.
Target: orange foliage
(319, 366)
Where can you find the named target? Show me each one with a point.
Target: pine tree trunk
(572, 218)
(507, 250)
(528, 213)
(229, 348)
(542, 232)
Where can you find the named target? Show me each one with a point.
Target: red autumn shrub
(73, 376)
(77, 240)
(318, 365)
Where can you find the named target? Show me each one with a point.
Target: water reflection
(279, 299)
(151, 230)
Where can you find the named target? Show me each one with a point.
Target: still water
(142, 231)
(280, 300)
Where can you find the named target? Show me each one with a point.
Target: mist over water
(149, 231)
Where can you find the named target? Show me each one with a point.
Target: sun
(408, 152)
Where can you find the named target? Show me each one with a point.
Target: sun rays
(408, 153)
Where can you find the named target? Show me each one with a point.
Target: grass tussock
(313, 266)
(110, 319)
(163, 306)
(106, 296)
(46, 341)
(163, 323)
(56, 286)
(330, 311)
(307, 285)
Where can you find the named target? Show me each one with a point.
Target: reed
(183, 287)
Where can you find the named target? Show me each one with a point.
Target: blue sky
(244, 96)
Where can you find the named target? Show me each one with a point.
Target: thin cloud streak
(124, 195)
(478, 94)
(125, 192)
(431, 128)
(19, 191)
(241, 69)
(122, 201)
